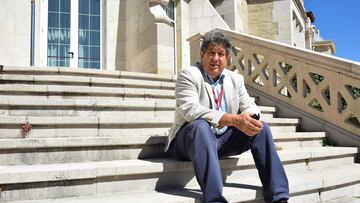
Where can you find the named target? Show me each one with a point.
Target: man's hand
(243, 122)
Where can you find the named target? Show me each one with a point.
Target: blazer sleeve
(189, 92)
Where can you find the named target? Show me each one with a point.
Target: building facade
(137, 35)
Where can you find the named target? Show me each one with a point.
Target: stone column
(149, 37)
(165, 28)
(182, 33)
(309, 33)
(114, 34)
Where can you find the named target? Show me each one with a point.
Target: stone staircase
(98, 136)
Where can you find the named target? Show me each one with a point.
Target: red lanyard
(219, 99)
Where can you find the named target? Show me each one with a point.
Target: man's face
(214, 60)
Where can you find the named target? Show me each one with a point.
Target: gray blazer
(194, 98)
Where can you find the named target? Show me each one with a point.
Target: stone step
(84, 81)
(86, 107)
(94, 107)
(84, 149)
(65, 71)
(74, 98)
(149, 139)
(298, 139)
(77, 179)
(310, 186)
(23, 92)
(88, 91)
(68, 126)
(90, 121)
(100, 104)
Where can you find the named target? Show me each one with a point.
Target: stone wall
(15, 21)
(234, 13)
(279, 20)
(298, 26)
(282, 15)
(260, 19)
(243, 14)
(203, 17)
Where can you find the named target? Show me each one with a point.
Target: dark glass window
(58, 33)
(89, 34)
(169, 8)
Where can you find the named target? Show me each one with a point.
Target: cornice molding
(159, 14)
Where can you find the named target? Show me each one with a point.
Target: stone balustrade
(324, 86)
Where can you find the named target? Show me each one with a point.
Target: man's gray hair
(218, 38)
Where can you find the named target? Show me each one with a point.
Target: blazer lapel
(209, 91)
(207, 85)
(228, 91)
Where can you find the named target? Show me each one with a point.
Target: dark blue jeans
(197, 143)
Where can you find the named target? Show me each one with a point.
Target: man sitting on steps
(216, 118)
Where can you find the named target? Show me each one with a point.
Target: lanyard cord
(218, 100)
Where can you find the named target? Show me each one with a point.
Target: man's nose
(215, 57)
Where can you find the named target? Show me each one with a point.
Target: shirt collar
(219, 81)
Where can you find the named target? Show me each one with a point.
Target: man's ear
(201, 54)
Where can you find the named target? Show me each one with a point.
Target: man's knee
(199, 124)
(201, 131)
(266, 131)
(266, 128)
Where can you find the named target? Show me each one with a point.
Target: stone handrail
(324, 86)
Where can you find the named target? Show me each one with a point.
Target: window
(169, 9)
